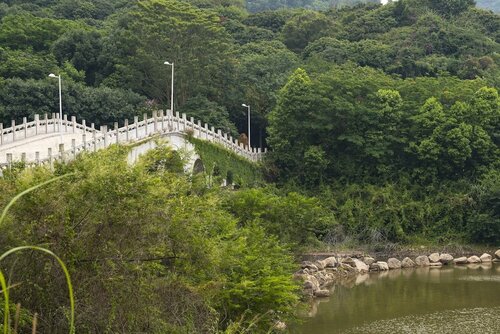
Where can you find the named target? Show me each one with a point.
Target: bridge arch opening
(198, 167)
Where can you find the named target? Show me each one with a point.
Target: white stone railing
(86, 138)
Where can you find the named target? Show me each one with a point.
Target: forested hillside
(382, 123)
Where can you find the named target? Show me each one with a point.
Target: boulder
(330, 262)
(497, 254)
(473, 259)
(460, 260)
(311, 283)
(347, 268)
(383, 265)
(309, 265)
(445, 258)
(368, 260)
(435, 264)
(422, 261)
(280, 325)
(393, 263)
(434, 257)
(322, 293)
(359, 265)
(319, 264)
(486, 257)
(407, 263)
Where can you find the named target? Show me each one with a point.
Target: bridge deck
(49, 139)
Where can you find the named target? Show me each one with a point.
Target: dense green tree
(153, 31)
(304, 28)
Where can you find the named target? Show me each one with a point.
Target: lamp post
(52, 75)
(172, 87)
(248, 107)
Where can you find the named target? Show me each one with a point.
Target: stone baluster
(46, 118)
(136, 122)
(94, 137)
(57, 122)
(162, 120)
(104, 130)
(116, 132)
(25, 127)
(23, 157)
(37, 157)
(73, 123)
(1, 133)
(206, 131)
(61, 152)
(73, 147)
(155, 121)
(49, 155)
(65, 121)
(9, 159)
(126, 130)
(84, 140)
(145, 118)
(37, 124)
(13, 125)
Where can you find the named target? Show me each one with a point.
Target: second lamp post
(172, 87)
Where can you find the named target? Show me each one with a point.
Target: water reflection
(421, 300)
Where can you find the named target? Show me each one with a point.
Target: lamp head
(52, 75)
(244, 105)
(167, 63)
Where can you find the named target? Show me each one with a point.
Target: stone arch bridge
(47, 139)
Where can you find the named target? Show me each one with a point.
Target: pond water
(455, 300)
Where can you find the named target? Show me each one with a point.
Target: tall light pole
(248, 107)
(52, 75)
(172, 86)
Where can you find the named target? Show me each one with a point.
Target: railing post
(184, 121)
(25, 127)
(126, 130)
(65, 120)
(116, 132)
(94, 137)
(162, 120)
(136, 122)
(55, 119)
(104, 131)
(13, 125)
(23, 157)
(9, 159)
(206, 131)
(199, 129)
(49, 154)
(73, 123)
(73, 147)
(84, 125)
(84, 140)
(145, 118)
(37, 157)
(46, 116)
(37, 123)
(61, 151)
(1, 133)
(155, 121)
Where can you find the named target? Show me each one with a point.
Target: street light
(248, 106)
(172, 86)
(52, 75)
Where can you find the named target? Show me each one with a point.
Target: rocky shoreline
(317, 276)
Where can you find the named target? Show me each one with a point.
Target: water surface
(455, 300)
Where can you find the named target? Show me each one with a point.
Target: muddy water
(455, 300)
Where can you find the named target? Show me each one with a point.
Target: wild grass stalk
(3, 282)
